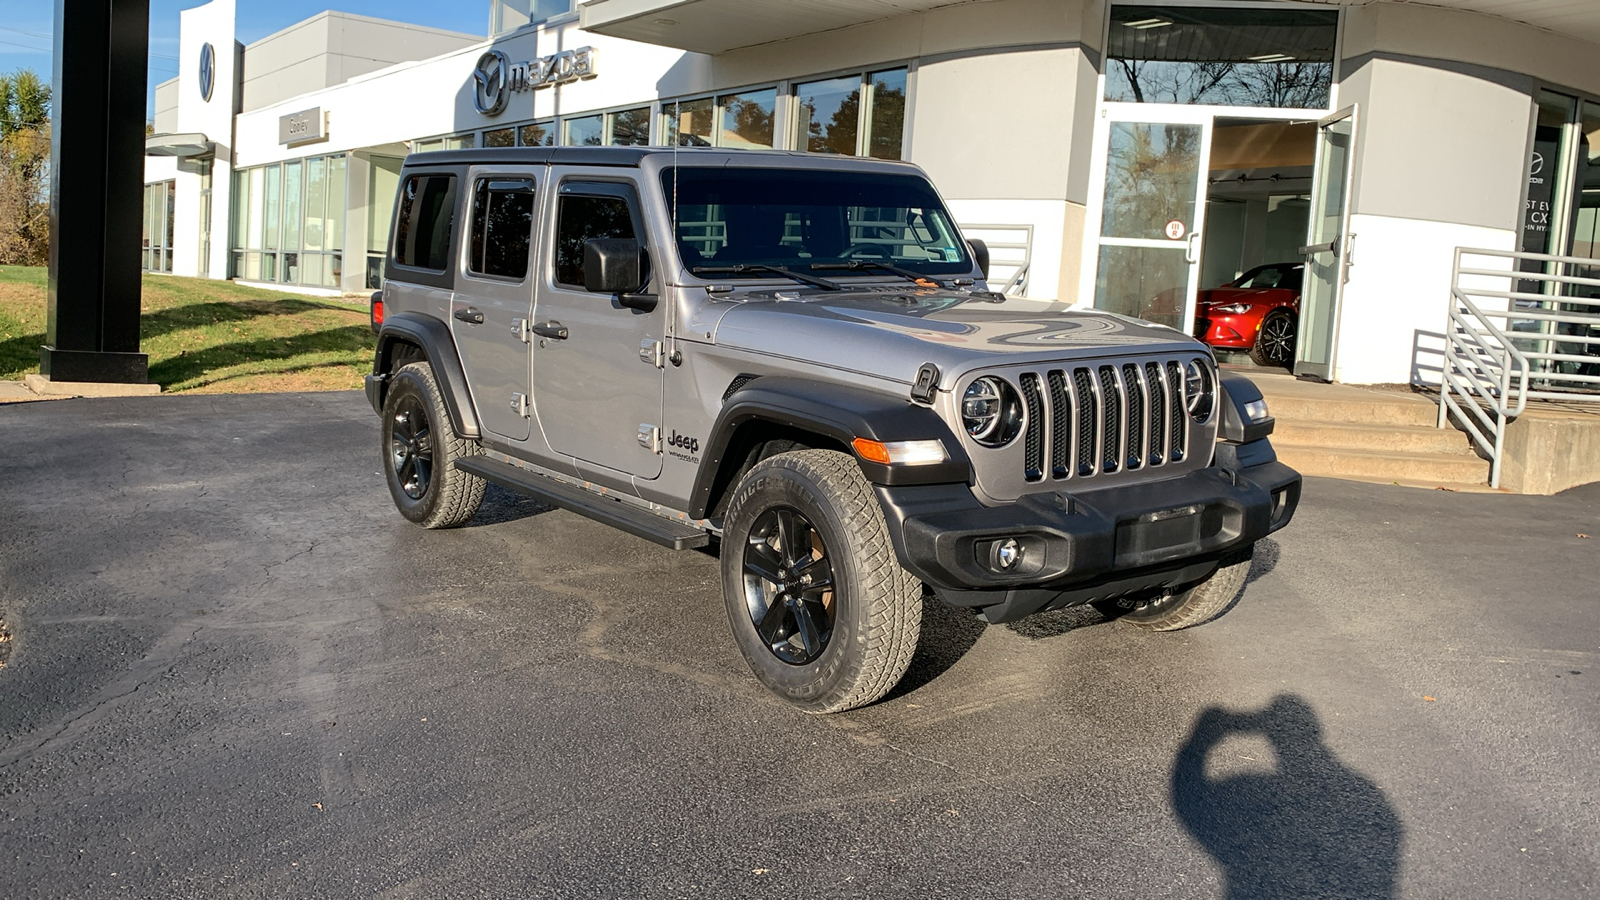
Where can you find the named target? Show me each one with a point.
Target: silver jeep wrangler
(798, 356)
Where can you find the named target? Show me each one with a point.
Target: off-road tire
(1275, 349)
(449, 497)
(1187, 608)
(877, 605)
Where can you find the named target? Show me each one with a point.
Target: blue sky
(27, 26)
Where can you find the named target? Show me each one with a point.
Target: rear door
(493, 301)
(597, 384)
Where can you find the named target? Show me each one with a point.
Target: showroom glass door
(1151, 212)
(1327, 252)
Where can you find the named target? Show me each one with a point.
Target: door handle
(552, 329)
(1189, 254)
(469, 315)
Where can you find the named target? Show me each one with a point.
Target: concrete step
(1383, 465)
(1358, 407)
(1397, 438)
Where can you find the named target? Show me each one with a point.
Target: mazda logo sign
(208, 71)
(495, 78)
(489, 93)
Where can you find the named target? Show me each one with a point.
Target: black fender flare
(1236, 427)
(433, 336)
(837, 412)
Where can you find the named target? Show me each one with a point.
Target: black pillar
(97, 192)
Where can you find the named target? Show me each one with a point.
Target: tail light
(377, 311)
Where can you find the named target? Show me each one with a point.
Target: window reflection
(1223, 57)
(630, 127)
(584, 131)
(580, 219)
(829, 115)
(1152, 175)
(747, 119)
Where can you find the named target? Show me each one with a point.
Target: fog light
(1006, 553)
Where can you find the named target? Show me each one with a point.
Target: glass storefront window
(316, 192)
(291, 205)
(1221, 56)
(460, 142)
(158, 214)
(887, 123)
(689, 122)
(500, 137)
(537, 134)
(272, 203)
(333, 216)
(294, 207)
(830, 113)
(629, 127)
(747, 119)
(584, 131)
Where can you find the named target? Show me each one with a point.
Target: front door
(597, 395)
(494, 296)
(1327, 251)
(1151, 213)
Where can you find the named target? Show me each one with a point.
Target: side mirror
(612, 265)
(980, 252)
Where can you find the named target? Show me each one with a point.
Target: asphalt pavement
(236, 671)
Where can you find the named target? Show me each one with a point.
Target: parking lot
(236, 671)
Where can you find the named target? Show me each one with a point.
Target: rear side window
(502, 227)
(424, 221)
(582, 217)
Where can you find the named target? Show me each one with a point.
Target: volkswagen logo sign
(491, 78)
(208, 71)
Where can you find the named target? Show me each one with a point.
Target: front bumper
(1078, 547)
(1230, 332)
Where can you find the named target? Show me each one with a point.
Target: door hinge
(519, 327)
(650, 437)
(651, 353)
(519, 404)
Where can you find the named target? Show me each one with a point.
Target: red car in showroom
(1259, 312)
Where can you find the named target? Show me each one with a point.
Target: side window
(580, 217)
(502, 227)
(424, 221)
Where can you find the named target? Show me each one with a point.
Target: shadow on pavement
(1308, 827)
(501, 505)
(947, 634)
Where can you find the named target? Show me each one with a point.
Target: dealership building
(1122, 156)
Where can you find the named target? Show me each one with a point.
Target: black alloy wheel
(1275, 343)
(420, 447)
(411, 448)
(788, 586)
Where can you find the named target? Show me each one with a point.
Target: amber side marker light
(900, 453)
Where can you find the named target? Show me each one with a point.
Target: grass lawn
(210, 336)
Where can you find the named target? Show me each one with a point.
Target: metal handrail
(1488, 375)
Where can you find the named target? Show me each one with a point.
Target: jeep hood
(890, 333)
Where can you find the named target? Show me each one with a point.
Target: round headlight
(991, 412)
(1197, 387)
(980, 408)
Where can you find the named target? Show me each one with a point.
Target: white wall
(434, 97)
(1398, 295)
(212, 23)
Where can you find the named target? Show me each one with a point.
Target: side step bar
(659, 529)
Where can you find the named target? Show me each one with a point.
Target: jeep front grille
(1097, 420)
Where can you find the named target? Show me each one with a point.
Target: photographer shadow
(1309, 828)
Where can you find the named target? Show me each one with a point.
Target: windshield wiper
(856, 265)
(742, 268)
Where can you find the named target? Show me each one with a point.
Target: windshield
(797, 218)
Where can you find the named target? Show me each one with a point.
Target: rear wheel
(1275, 341)
(1185, 609)
(420, 449)
(817, 601)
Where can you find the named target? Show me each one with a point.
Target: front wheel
(1185, 609)
(1275, 342)
(420, 449)
(817, 601)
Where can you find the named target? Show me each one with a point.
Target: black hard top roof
(612, 156)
